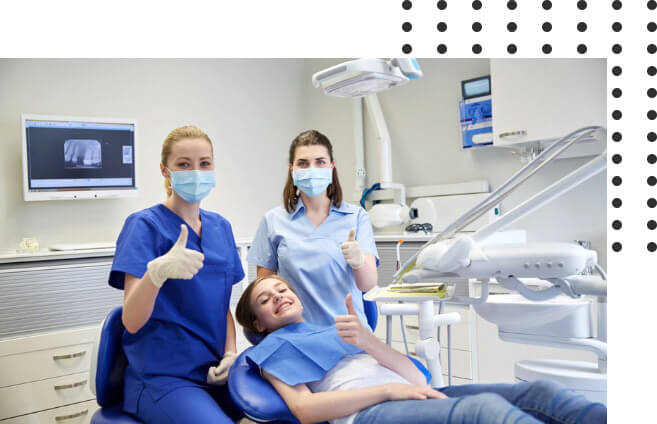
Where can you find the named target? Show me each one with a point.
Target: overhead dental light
(360, 77)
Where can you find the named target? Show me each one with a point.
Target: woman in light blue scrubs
(322, 245)
(177, 264)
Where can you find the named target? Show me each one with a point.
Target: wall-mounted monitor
(67, 158)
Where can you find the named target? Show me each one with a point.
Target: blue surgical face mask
(312, 181)
(192, 186)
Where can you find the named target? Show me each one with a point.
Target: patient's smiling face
(274, 305)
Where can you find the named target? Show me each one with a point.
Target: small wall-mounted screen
(475, 87)
(78, 155)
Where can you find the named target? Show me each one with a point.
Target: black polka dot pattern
(549, 35)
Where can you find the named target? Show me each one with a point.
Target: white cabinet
(45, 377)
(50, 309)
(544, 99)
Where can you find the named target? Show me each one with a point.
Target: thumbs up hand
(178, 262)
(350, 328)
(351, 251)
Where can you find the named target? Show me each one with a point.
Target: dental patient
(344, 374)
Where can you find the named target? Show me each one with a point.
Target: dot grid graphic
(623, 32)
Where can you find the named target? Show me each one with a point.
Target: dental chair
(258, 399)
(107, 370)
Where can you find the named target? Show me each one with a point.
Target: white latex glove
(218, 375)
(179, 262)
(351, 251)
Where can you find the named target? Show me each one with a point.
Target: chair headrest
(254, 395)
(253, 338)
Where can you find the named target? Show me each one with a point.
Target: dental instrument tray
(411, 292)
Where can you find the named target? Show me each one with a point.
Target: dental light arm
(441, 258)
(363, 78)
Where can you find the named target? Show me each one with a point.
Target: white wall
(251, 109)
(423, 121)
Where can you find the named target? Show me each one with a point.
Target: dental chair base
(583, 377)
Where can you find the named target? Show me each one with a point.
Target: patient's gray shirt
(355, 372)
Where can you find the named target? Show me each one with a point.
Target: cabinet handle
(71, 416)
(69, 356)
(70, 386)
(519, 133)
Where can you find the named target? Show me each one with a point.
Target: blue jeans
(539, 401)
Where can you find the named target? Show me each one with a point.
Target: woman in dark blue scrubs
(177, 263)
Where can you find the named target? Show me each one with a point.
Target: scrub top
(310, 257)
(186, 333)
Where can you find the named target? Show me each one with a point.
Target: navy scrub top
(186, 333)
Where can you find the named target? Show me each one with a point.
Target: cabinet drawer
(79, 413)
(45, 394)
(42, 364)
(461, 363)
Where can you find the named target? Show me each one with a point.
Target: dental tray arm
(566, 183)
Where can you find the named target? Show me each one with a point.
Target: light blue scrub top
(310, 257)
(186, 333)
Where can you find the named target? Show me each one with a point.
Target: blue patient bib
(301, 352)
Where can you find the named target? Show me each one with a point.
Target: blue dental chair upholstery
(108, 370)
(258, 399)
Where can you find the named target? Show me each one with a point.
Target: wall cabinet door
(544, 99)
